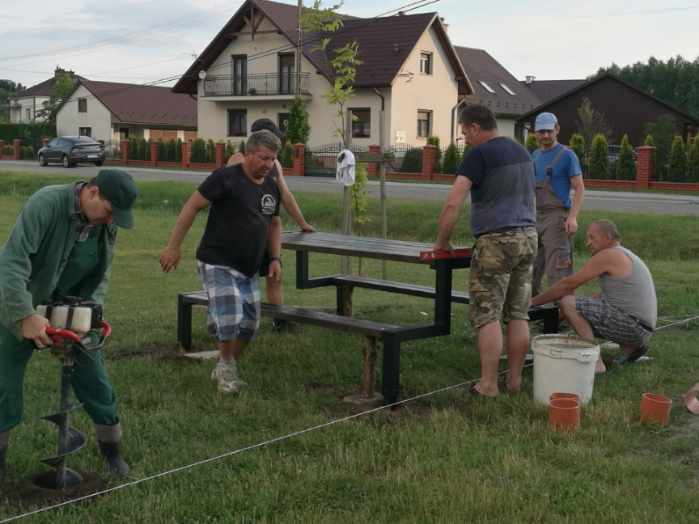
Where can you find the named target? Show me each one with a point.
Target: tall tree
(63, 86)
(591, 122)
(8, 88)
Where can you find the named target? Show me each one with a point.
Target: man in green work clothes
(61, 245)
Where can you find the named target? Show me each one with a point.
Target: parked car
(69, 150)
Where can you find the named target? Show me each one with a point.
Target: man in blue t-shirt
(243, 224)
(500, 176)
(557, 171)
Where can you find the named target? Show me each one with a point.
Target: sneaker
(225, 374)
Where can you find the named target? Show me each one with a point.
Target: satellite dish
(202, 74)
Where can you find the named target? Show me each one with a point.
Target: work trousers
(555, 255)
(89, 380)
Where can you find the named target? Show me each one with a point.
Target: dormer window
(507, 89)
(486, 87)
(426, 63)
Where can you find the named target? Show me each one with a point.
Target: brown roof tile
(480, 67)
(152, 105)
(547, 90)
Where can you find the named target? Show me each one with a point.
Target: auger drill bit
(70, 439)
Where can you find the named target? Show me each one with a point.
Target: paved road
(658, 203)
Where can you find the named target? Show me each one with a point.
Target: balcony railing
(262, 84)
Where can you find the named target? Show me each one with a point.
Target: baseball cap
(545, 121)
(118, 187)
(265, 124)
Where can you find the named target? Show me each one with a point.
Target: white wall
(506, 127)
(412, 91)
(33, 104)
(98, 117)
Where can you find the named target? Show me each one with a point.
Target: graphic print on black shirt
(239, 217)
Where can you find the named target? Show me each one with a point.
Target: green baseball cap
(118, 187)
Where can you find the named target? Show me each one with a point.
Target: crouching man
(61, 245)
(243, 222)
(626, 312)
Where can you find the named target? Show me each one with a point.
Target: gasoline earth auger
(66, 346)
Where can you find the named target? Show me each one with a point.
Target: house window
(361, 122)
(85, 131)
(507, 89)
(283, 122)
(82, 105)
(424, 123)
(239, 75)
(287, 64)
(237, 122)
(28, 113)
(486, 86)
(426, 63)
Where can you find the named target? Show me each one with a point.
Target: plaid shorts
(611, 323)
(234, 302)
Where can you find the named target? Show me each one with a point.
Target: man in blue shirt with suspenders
(557, 171)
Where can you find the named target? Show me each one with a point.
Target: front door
(239, 74)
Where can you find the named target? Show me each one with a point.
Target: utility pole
(299, 44)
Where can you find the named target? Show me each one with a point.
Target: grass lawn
(444, 458)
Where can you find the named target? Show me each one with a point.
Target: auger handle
(59, 335)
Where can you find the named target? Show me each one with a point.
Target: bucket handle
(580, 357)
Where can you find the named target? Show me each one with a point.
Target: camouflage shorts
(501, 276)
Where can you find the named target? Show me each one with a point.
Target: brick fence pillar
(2, 148)
(220, 161)
(124, 151)
(372, 168)
(644, 166)
(429, 157)
(186, 152)
(17, 145)
(154, 153)
(299, 158)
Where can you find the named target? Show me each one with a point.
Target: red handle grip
(58, 335)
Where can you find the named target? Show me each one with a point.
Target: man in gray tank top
(626, 312)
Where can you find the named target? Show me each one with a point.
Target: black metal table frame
(392, 339)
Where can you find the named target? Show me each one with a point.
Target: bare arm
(170, 256)
(451, 211)
(578, 185)
(289, 202)
(600, 263)
(275, 248)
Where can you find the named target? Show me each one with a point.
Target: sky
(142, 41)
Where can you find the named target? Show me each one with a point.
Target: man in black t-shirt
(243, 223)
(500, 176)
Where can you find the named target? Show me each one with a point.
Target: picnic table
(391, 335)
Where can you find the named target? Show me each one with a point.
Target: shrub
(654, 158)
(663, 131)
(178, 150)
(531, 144)
(693, 161)
(677, 166)
(452, 159)
(625, 166)
(298, 130)
(577, 144)
(599, 160)
(145, 148)
(434, 141)
(412, 161)
(8, 151)
(241, 146)
(210, 151)
(286, 155)
(199, 150)
(229, 150)
(27, 153)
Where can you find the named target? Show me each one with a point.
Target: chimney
(444, 24)
(529, 79)
(401, 13)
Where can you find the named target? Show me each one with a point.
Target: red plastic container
(655, 409)
(564, 414)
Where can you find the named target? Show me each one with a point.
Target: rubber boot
(116, 465)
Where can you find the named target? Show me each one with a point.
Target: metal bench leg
(184, 323)
(391, 369)
(344, 299)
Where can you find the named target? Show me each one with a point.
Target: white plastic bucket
(563, 364)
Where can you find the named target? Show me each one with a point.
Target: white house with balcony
(248, 71)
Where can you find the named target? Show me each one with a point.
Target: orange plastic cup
(564, 414)
(572, 396)
(655, 409)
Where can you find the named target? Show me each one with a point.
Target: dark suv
(69, 150)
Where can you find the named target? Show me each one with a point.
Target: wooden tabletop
(367, 247)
